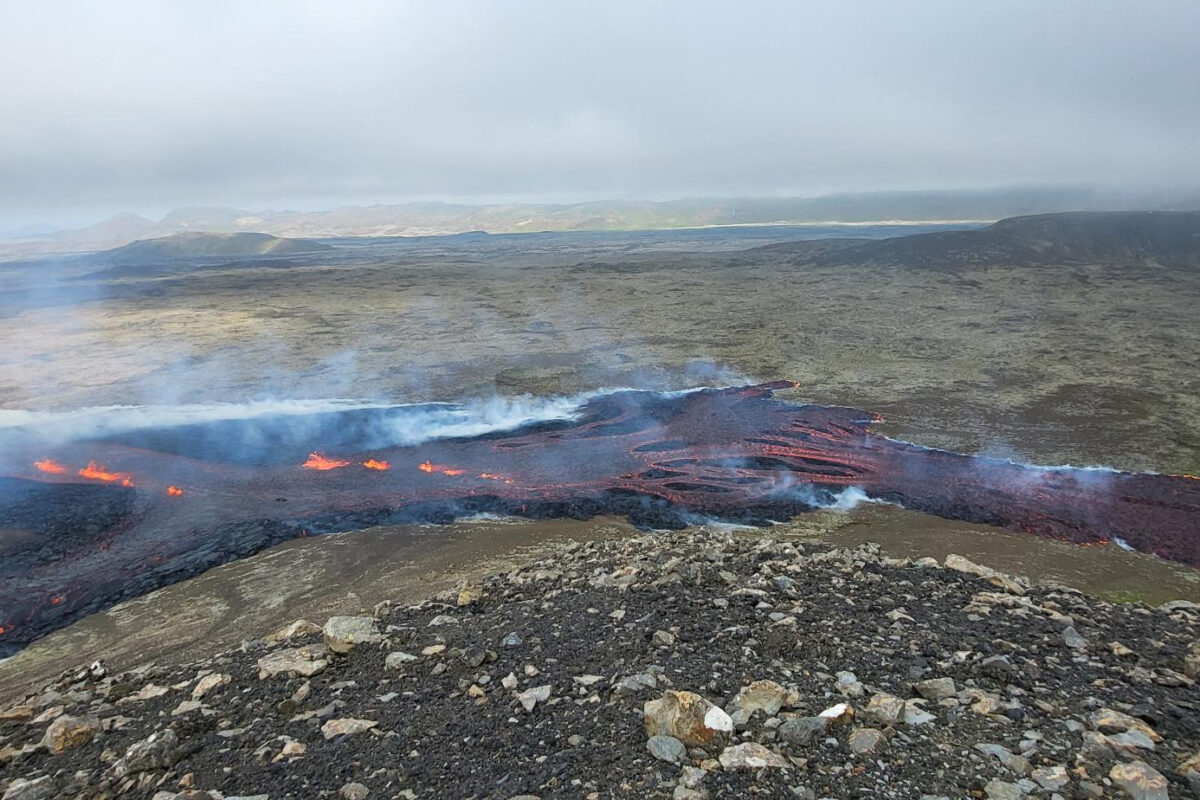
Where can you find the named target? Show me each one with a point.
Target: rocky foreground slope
(674, 665)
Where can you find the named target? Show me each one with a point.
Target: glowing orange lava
(371, 463)
(49, 466)
(320, 462)
(492, 476)
(174, 491)
(1, 630)
(428, 466)
(58, 598)
(99, 473)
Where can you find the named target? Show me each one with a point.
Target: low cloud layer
(148, 106)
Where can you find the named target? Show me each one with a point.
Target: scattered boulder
(159, 750)
(750, 755)
(666, 748)
(294, 630)
(353, 791)
(866, 741)
(42, 788)
(208, 683)
(347, 726)
(531, 697)
(67, 733)
(802, 731)
(1140, 781)
(961, 564)
(764, 696)
(342, 634)
(936, 689)
(304, 661)
(884, 709)
(686, 716)
(1110, 720)
(1002, 790)
(397, 659)
(662, 639)
(1073, 638)
(1053, 779)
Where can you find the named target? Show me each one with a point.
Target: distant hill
(167, 254)
(429, 219)
(1168, 238)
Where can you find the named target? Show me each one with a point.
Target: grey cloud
(150, 105)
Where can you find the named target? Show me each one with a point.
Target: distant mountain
(170, 254)
(429, 219)
(1167, 238)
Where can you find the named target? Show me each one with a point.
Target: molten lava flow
(429, 466)
(174, 491)
(50, 467)
(99, 473)
(661, 460)
(320, 462)
(372, 463)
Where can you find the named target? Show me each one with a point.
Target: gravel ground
(673, 665)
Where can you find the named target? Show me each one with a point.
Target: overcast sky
(121, 104)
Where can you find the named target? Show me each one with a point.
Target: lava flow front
(91, 538)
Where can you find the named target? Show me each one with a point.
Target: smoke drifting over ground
(165, 502)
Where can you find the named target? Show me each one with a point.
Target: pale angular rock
(1120, 651)
(1014, 762)
(157, 751)
(866, 741)
(935, 689)
(1053, 779)
(1002, 790)
(961, 564)
(186, 707)
(37, 789)
(531, 697)
(884, 709)
(750, 755)
(838, 714)
(353, 791)
(398, 659)
(470, 596)
(305, 661)
(67, 733)
(914, 714)
(342, 634)
(686, 716)
(1110, 720)
(347, 726)
(300, 627)
(662, 639)
(1140, 781)
(764, 696)
(208, 683)
(16, 714)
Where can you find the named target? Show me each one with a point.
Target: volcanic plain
(1095, 361)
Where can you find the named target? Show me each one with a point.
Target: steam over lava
(660, 459)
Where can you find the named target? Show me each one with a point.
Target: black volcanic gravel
(739, 609)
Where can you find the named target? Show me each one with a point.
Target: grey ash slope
(1166, 238)
(546, 682)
